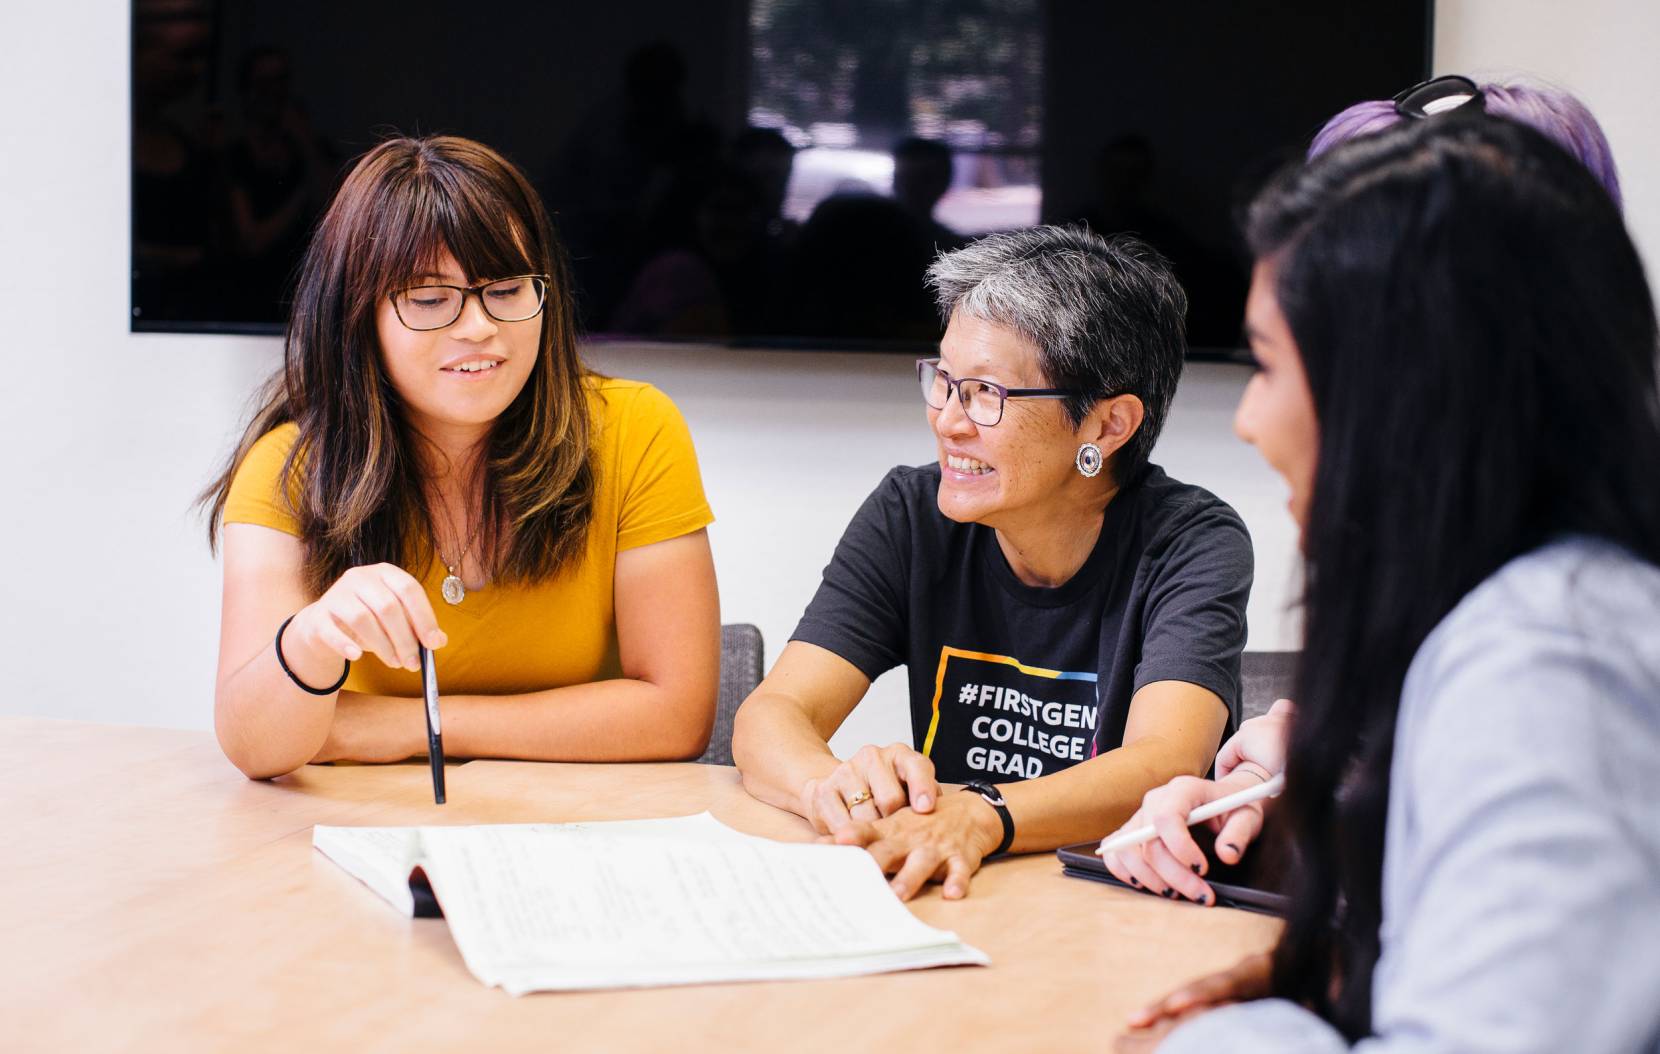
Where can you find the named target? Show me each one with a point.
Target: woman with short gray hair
(1070, 617)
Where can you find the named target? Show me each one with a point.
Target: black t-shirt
(1010, 681)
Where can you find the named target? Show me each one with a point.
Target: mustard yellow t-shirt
(522, 638)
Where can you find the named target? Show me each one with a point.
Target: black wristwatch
(994, 798)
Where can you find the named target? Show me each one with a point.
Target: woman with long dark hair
(433, 465)
(1256, 752)
(1458, 380)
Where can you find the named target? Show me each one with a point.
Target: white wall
(111, 600)
(1601, 50)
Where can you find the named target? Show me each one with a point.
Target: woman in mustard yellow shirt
(433, 465)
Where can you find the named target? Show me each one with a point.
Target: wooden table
(156, 899)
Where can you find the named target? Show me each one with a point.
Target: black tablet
(1240, 885)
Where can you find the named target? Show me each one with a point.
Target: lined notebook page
(680, 901)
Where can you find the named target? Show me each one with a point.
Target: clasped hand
(887, 800)
(946, 845)
(873, 783)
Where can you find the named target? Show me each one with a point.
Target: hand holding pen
(1161, 857)
(1172, 863)
(378, 609)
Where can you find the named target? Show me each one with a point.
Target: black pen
(435, 734)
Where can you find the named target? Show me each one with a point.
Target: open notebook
(686, 900)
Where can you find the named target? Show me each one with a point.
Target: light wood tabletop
(154, 898)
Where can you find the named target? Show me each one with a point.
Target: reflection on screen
(775, 172)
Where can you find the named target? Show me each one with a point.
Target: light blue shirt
(1521, 872)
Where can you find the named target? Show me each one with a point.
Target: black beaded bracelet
(304, 687)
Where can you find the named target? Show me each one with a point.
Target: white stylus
(1204, 812)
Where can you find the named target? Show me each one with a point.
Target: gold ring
(859, 798)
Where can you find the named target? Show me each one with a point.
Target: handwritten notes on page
(651, 902)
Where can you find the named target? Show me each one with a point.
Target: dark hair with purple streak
(1552, 111)
(1461, 424)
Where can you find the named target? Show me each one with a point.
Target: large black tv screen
(771, 172)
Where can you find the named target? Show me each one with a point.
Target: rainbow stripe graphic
(948, 653)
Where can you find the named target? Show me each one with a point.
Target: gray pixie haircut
(1106, 315)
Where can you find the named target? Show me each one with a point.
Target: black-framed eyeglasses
(1438, 95)
(515, 299)
(982, 400)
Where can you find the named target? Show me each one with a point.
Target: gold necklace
(453, 589)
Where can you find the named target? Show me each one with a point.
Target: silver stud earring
(1089, 460)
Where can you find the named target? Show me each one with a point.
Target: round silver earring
(1089, 460)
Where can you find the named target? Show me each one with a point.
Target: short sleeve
(859, 611)
(256, 496)
(659, 482)
(1194, 619)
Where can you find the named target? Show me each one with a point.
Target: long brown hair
(352, 479)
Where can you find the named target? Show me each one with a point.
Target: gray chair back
(1265, 676)
(740, 671)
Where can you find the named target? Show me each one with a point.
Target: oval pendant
(453, 590)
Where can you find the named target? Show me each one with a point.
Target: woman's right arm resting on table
(780, 740)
